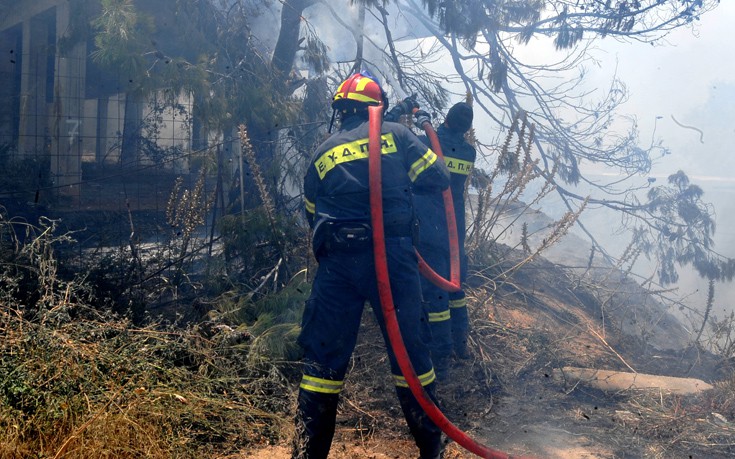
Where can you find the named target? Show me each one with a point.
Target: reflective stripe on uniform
(422, 164)
(351, 151)
(458, 303)
(323, 386)
(458, 166)
(439, 316)
(425, 379)
(310, 208)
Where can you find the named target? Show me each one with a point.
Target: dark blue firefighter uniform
(447, 312)
(337, 202)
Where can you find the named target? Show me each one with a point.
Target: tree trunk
(130, 149)
(287, 45)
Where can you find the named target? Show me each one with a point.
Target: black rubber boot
(441, 367)
(314, 425)
(426, 434)
(460, 333)
(459, 346)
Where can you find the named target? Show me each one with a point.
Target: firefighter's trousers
(343, 283)
(436, 307)
(460, 323)
(458, 311)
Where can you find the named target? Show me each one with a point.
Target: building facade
(55, 106)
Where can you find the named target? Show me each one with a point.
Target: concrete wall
(43, 115)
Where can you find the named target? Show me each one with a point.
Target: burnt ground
(507, 397)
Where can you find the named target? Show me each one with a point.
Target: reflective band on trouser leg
(460, 318)
(458, 303)
(425, 379)
(323, 386)
(439, 316)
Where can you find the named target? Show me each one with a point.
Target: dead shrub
(78, 382)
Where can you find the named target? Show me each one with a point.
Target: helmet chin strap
(344, 114)
(331, 122)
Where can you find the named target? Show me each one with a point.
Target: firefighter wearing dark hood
(447, 312)
(337, 201)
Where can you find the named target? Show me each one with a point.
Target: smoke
(264, 15)
(337, 25)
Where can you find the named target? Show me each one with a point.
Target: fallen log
(616, 381)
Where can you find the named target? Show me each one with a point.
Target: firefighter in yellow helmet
(337, 202)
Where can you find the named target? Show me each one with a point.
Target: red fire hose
(386, 299)
(453, 284)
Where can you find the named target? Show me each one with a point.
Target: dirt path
(538, 430)
(518, 426)
(538, 440)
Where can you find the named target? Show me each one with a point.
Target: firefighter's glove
(422, 117)
(407, 105)
(404, 107)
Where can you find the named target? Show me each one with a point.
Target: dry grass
(522, 340)
(79, 381)
(705, 422)
(80, 385)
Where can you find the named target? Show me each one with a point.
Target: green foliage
(204, 49)
(565, 21)
(95, 386)
(116, 283)
(28, 266)
(683, 233)
(722, 339)
(467, 18)
(251, 249)
(315, 55)
(187, 46)
(151, 125)
(568, 36)
(121, 44)
(273, 321)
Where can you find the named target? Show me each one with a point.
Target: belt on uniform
(357, 236)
